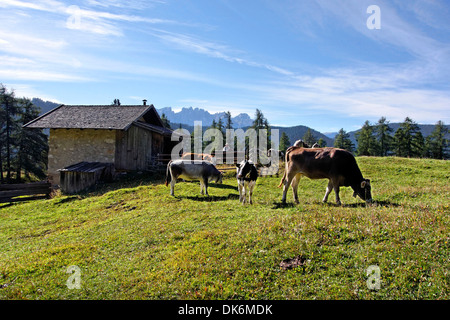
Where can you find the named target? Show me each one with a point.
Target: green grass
(132, 240)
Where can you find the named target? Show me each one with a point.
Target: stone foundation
(70, 146)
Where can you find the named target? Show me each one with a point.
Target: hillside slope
(132, 240)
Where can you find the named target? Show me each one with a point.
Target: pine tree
(384, 139)
(309, 138)
(259, 123)
(367, 145)
(229, 122)
(2, 131)
(343, 141)
(400, 143)
(9, 127)
(284, 142)
(418, 145)
(32, 144)
(407, 140)
(322, 143)
(165, 121)
(436, 143)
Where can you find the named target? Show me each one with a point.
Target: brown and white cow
(337, 165)
(198, 157)
(204, 171)
(301, 143)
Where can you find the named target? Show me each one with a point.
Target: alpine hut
(125, 137)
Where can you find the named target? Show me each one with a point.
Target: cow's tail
(282, 179)
(286, 160)
(168, 174)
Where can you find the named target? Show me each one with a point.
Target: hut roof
(97, 117)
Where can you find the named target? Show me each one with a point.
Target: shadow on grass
(382, 203)
(281, 205)
(223, 186)
(7, 204)
(67, 199)
(210, 198)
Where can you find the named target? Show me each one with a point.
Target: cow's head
(219, 177)
(243, 169)
(364, 190)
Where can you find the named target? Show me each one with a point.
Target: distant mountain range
(186, 117)
(189, 115)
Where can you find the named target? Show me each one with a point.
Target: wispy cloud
(347, 93)
(88, 19)
(213, 49)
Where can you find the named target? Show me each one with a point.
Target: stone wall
(70, 146)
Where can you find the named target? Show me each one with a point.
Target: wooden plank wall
(24, 191)
(133, 149)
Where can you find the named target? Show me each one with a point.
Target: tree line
(408, 141)
(372, 140)
(23, 151)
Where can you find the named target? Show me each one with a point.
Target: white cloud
(29, 91)
(39, 75)
(88, 20)
(214, 50)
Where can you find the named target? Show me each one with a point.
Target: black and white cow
(246, 175)
(204, 171)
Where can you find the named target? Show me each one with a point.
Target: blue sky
(302, 62)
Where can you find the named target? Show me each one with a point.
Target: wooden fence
(24, 191)
(235, 156)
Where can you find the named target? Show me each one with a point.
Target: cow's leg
(205, 185)
(336, 191)
(172, 186)
(294, 185)
(240, 190)
(244, 192)
(289, 177)
(251, 187)
(327, 193)
(201, 186)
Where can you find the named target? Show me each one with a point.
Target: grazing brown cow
(337, 165)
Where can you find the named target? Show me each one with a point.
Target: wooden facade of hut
(129, 137)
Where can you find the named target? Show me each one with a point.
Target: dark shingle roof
(92, 117)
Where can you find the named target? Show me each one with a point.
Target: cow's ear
(237, 165)
(363, 184)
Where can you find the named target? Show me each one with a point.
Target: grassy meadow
(132, 240)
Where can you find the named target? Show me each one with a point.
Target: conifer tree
(284, 142)
(407, 140)
(382, 134)
(367, 145)
(343, 141)
(436, 143)
(32, 144)
(309, 138)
